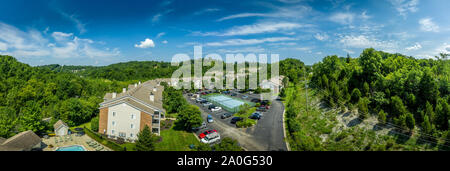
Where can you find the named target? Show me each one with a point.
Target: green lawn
(176, 140)
(172, 140)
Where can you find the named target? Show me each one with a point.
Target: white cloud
(321, 37)
(156, 17)
(238, 42)
(165, 42)
(60, 36)
(206, 11)
(160, 34)
(266, 27)
(18, 43)
(363, 41)
(427, 24)
(242, 50)
(348, 51)
(342, 17)
(3, 46)
(403, 7)
(293, 11)
(147, 43)
(417, 46)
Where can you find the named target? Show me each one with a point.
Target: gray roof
(59, 124)
(139, 96)
(20, 142)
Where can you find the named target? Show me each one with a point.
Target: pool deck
(82, 140)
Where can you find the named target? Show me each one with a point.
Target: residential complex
(124, 115)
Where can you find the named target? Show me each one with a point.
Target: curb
(284, 131)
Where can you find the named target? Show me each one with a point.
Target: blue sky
(102, 32)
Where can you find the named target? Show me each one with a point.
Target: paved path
(267, 135)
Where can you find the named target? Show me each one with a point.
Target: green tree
(94, 124)
(426, 125)
(146, 140)
(382, 116)
(363, 108)
(7, 122)
(203, 147)
(227, 144)
(356, 94)
(410, 121)
(190, 117)
(370, 61)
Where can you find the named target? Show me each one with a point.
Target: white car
(207, 104)
(215, 109)
(211, 138)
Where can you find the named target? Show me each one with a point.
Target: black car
(261, 109)
(226, 115)
(255, 100)
(264, 102)
(211, 107)
(233, 94)
(255, 116)
(236, 119)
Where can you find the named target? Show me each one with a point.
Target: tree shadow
(354, 122)
(378, 127)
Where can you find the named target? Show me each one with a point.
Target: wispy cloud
(417, 46)
(258, 28)
(80, 25)
(160, 35)
(427, 24)
(343, 17)
(208, 10)
(239, 42)
(403, 7)
(295, 11)
(321, 37)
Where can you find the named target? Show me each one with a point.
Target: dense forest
(72, 93)
(404, 93)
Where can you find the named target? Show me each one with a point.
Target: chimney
(124, 90)
(114, 95)
(154, 89)
(152, 97)
(135, 85)
(139, 83)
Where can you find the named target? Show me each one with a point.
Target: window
(132, 116)
(112, 132)
(113, 123)
(131, 135)
(132, 126)
(114, 114)
(123, 135)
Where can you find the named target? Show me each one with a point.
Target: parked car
(226, 115)
(211, 138)
(204, 101)
(216, 108)
(265, 106)
(244, 97)
(236, 119)
(207, 104)
(198, 100)
(203, 134)
(264, 102)
(209, 119)
(261, 109)
(189, 94)
(255, 100)
(203, 93)
(255, 115)
(200, 127)
(233, 94)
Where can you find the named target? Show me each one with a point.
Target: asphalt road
(266, 135)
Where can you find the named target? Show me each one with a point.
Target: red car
(202, 135)
(266, 106)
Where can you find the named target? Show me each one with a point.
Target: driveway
(266, 135)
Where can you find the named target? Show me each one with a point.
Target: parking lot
(266, 135)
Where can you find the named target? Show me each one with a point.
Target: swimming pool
(71, 148)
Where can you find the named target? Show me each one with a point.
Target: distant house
(61, 128)
(24, 141)
(124, 115)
